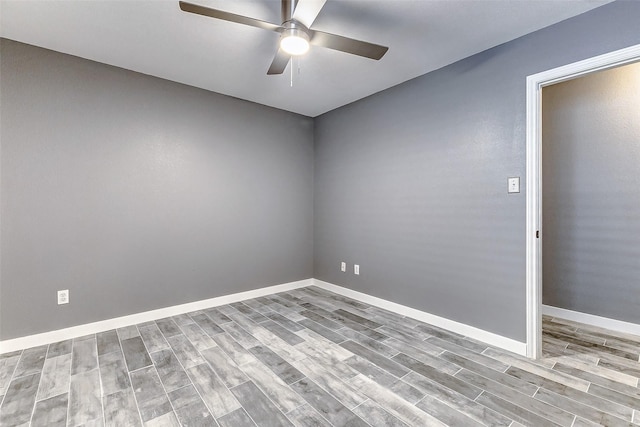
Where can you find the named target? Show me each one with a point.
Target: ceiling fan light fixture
(294, 41)
(295, 36)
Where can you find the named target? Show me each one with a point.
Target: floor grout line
(73, 341)
(104, 418)
(185, 372)
(13, 371)
(35, 399)
(126, 368)
(248, 377)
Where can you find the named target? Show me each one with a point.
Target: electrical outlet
(63, 297)
(356, 269)
(343, 267)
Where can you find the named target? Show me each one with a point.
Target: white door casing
(535, 83)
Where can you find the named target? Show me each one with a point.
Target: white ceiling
(154, 37)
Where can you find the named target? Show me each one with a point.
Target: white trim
(535, 83)
(133, 319)
(533, 215)
(460, 328)
(593, 320)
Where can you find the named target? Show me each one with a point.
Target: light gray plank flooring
(309, 357)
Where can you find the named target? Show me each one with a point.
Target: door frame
(535, 83)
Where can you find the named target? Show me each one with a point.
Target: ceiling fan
(295, 31)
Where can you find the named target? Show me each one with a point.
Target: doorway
(534, 231)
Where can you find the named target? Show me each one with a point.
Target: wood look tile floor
(313, 358)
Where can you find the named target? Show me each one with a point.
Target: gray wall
(411, 183)
(136, 193)
(591, 194)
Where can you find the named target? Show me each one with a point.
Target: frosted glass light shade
(294, 42)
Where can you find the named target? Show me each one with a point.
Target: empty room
(319, 213)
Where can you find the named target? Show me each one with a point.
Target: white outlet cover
(63, 297)
(356, 269)
(513, 184)
(343, 266)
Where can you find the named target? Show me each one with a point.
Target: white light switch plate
(513, 184)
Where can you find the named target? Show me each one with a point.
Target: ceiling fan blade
(227, 16)
(279, 63)
(306, 11)
(345, 44)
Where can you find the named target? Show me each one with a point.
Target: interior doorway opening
(535, 84)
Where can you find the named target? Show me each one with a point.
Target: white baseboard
(119, 322)
(453, 326)
(593, 320)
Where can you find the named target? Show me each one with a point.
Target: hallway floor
(313, 358)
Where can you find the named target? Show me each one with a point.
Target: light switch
(513, 184)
